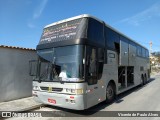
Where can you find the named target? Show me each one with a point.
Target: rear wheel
(142, 80)
(145, 79)
(110, 93)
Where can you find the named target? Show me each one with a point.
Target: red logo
(51, 101)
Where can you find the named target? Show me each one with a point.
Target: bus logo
(49, 89)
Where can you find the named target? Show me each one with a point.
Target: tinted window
(95, 31)
(143, 52)
(64, 31)
(132, 43)
(91, 65)
(124, 39)
(147, 54)
(100, 62)
(111, 37)
(139, 51)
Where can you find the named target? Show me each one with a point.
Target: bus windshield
(61, 62)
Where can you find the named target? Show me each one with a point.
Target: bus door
(132, 64)
(91, 76)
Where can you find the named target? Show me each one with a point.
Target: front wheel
(110, 93)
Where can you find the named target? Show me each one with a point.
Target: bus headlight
(76, 91)
(70, 90)
(36, 88)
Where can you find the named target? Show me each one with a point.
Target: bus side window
(100, 62)
(92, 66)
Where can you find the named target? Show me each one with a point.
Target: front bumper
(76, 102)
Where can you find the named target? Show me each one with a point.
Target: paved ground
(146, 98)
(19, 105)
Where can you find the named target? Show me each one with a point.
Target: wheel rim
(110, 92)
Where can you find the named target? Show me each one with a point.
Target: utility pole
(150, 51)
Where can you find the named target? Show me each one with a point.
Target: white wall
(15, 81)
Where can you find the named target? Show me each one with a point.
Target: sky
(22, 21)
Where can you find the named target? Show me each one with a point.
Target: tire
(142, 80)
(110, 93)
(145, 79)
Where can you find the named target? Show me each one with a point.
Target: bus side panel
(111, 68)
(141, 68)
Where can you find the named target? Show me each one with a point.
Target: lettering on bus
(60, 32)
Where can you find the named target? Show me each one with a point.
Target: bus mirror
(32, 67)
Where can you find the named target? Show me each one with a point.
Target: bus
(82, 61)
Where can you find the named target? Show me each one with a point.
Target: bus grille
(53, 89)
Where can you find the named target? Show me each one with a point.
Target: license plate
(51, 101)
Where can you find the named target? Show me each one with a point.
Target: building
(15, 81)
(155, 58)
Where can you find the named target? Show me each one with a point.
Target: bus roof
(73, 18)
(90, 16)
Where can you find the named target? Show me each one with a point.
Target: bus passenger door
(91, 76)
(132, 64)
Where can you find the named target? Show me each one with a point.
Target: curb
(30, 108)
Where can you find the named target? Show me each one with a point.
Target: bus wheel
(142, 80)
(110, 93)
(145, 79)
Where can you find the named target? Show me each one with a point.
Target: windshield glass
(61, 62)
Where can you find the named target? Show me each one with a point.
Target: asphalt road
(146, 98)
